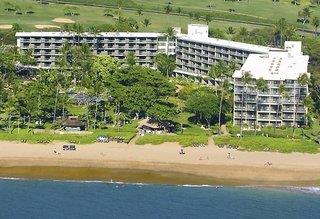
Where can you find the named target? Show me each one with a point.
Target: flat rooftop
(276, 65)
(227, 43)
(87, 34)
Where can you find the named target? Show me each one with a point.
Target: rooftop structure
(270, 107)
(279, 65)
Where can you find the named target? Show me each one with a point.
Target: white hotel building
(195, 53)
(46, 46)
(269, 107)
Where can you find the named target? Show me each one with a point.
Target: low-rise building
(275, 105)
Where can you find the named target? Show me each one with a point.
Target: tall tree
(94, 30)
(231, 30)
(146, 22)
(208, 18)
(315, 23)
(162, 112)
(78, 30)
(165, 63)
(217, 71)
(282, 94)
(261, 86)
(130, 59)
(243, 34)
(170, 35)
(246, 80)
(303, 80)
(280, 27)
(168, 8)
(205, 104)
(305, 14)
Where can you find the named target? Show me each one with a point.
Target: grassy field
(192, 134)
(260, 10)
(44, 14)
(127, 132)
(261, 143)
(264, 9)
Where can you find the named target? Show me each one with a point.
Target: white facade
(270, 107)
(196, 52)
(46, 45)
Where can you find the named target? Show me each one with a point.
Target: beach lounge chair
(65, 147)
(72, 147)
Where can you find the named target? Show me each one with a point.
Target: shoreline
(164, 173)
(136, 176)
(158, 164)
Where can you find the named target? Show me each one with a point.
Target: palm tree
(280, 27)
(261, 86)
(94, 31)
(303, 80)
(231, 30)
(208, 18)
(224, 88)
(282, 94)
(291, 33)
(243, 33)
(179, 10)
(246, 80)
(305, 14)
(170, 35)
(165, 63)
(78, 29)
(315, 23)
(139, 11)
(146, 22)
(168, 8)
(216, 72)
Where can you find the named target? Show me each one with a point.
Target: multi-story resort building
(46, 46)
(270, 107)
(196, 51)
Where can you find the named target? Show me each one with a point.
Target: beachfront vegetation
(48, 134)
(108, 95)
(263, 143)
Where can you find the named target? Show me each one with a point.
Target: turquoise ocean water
(21, 198)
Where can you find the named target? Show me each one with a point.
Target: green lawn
(44, 14)
(260, 10)
(192, 134)
(127, 132)
(264, 9)
(261, 143)
(183, 139)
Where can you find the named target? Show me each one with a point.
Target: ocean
(20, 198)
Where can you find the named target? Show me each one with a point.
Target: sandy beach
(207, 162)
